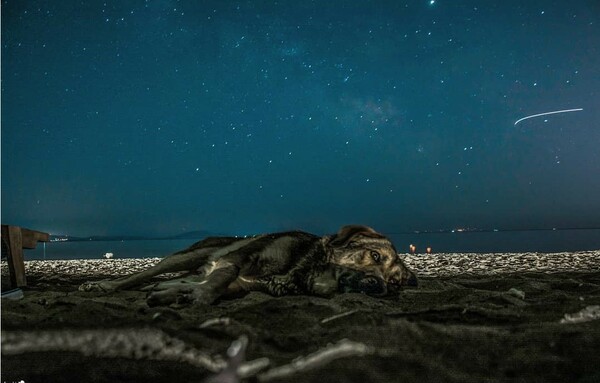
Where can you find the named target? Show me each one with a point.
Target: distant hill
(197, 234)
(70, 238)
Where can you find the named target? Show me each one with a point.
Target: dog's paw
(357, 282)
(99, 286)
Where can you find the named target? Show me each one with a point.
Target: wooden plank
(16, 265)
(30, 238)
(17, 239)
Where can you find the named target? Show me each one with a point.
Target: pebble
(450, 264)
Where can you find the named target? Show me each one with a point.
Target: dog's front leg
(275, 285)
(206, 291)
(184, 261)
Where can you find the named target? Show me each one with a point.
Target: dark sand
(462, 328)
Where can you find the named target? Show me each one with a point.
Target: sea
(545, 241)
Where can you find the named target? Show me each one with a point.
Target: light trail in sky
(544, 114)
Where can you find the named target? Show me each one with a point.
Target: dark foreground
(458, 329)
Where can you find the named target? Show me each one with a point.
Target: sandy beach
(504, 317)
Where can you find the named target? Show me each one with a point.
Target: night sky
(238, 117)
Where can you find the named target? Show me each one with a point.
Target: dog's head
(363, 249)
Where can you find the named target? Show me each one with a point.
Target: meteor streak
(543, 114)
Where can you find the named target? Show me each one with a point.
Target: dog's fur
(356, 259)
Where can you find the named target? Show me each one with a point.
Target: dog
(355, 259)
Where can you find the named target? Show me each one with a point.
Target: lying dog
(356, 259)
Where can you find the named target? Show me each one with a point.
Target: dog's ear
(349, 232)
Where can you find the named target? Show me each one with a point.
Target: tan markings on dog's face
(373, 254)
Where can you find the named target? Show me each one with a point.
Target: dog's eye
(375, 255)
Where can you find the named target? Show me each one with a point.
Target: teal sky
(160, 117)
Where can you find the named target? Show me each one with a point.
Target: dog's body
(356, 259)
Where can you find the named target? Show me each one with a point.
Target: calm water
(521, 241)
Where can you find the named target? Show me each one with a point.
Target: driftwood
(118, 343)
(338, 316)
(342, 349)
(221, 321)
(588, 314)
(152, 344)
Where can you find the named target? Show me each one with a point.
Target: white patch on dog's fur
(215, 265)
